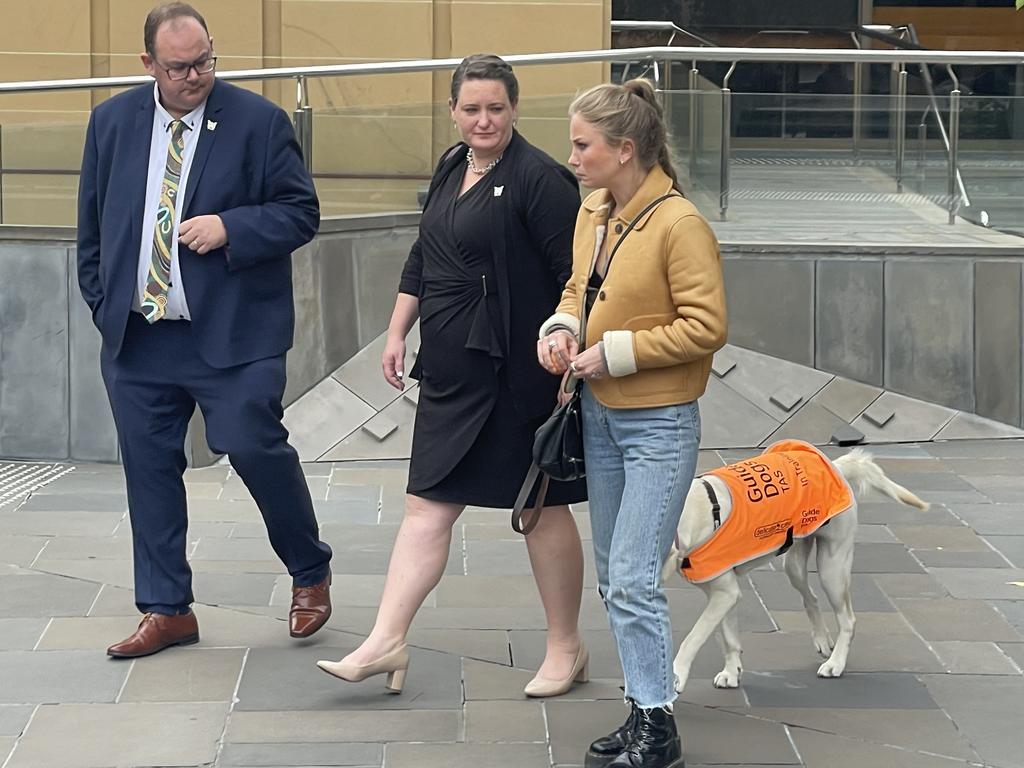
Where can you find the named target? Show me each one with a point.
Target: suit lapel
(141, 138)
(207, 135)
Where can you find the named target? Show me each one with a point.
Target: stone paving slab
(960, 657)
(431, 683)
(121, 735)
(196, 675)
(22, 550)
(38, 595)
(466, 755)
(1009, 547)
(505, 722)
(802, 688)
(21, 634)
(337, 726)
(915, 730)
(824, 751)
(58, 677)
(987, 711)
(949, 619)
(301, 755)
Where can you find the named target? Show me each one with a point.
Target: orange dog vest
(786, 493)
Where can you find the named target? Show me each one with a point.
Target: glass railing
(372, 145)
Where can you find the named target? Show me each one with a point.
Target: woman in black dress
(494, 250)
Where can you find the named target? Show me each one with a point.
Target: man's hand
(203, 234)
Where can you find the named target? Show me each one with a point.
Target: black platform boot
(607, 748)
(654, 742)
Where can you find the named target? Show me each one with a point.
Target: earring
(621, 161)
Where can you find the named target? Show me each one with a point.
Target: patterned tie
(154, 300)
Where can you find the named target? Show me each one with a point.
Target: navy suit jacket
(247, 169)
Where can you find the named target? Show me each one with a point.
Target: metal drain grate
(838, 197)
(815, 162)
(16, 480)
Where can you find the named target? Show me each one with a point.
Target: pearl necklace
(481, 171)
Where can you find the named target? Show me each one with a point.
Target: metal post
(723, 193)
(922, 140)
(901, 125)
(858, 88)
(1, 174)
(694, 123)
(303, 117)
(954, 141)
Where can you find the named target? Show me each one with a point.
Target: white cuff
(618, 349)
(562, 319)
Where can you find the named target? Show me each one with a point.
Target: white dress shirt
(177, 307)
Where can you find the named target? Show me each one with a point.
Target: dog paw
(727, 679)
(822, 644)
(680, 683)
(831, 669)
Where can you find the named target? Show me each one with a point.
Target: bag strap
(524, 494)
(629, 228)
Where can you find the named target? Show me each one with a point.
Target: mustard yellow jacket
(661, 309)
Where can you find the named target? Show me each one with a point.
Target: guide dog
(789, 478)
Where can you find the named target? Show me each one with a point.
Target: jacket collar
(655, 184)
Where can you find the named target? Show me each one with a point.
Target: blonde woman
(646, 269)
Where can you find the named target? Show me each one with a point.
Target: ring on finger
(572, 367)
(552, 343)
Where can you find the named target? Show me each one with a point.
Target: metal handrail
(659, 26)
(663, 53)
(908, 40)
(303, 115)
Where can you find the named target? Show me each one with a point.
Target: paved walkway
(830, 199)
(934, 679)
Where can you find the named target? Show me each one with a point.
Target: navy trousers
(154, 385)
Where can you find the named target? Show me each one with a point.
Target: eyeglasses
(203, 66)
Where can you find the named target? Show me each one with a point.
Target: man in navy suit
(193, 195)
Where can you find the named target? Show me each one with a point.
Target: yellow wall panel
(45, 25)
(342, 31)
(389, 129)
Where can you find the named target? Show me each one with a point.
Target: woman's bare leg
(556, 556)
(418, 560)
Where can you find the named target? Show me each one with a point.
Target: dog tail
(860, 469)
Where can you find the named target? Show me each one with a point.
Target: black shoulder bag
(558, 442)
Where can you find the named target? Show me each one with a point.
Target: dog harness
(786, 493)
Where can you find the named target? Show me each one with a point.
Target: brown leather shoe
(311, 608)
(155, 633)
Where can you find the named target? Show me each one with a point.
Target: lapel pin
(499, 190)
(211, 125)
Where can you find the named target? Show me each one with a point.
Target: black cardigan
(533, 221)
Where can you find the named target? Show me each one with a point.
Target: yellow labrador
(834, 542)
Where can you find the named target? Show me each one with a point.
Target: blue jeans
(640, 463)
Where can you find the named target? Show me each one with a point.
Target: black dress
(470, 443)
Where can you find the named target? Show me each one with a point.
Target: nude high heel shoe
(395, 664)
(541, 687)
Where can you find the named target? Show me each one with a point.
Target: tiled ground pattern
(934, 679)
